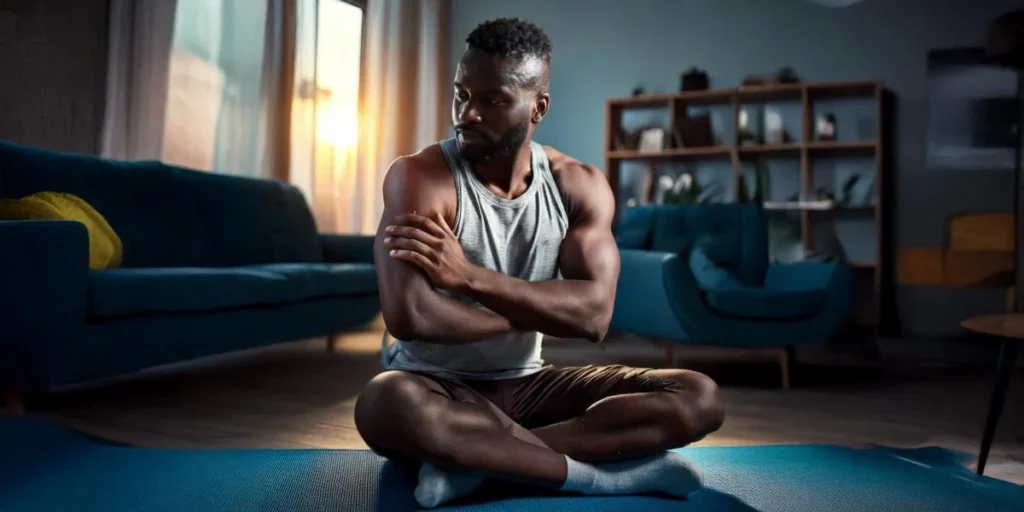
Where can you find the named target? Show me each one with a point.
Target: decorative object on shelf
(861, 194)
(845, 193)
(639, 91)
(694, 131)
(694, 79)
(664, 184)
(773, 131)
(825, 129)
(624, 140)
(686, 190)
(786, 75)
(652, 140)
(759, 190)
(744, 136)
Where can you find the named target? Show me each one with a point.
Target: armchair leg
(787, 359)
(332, 342)
(14, 402)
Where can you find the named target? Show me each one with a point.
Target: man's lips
(471, 135)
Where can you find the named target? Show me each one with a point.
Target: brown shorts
(552, 394)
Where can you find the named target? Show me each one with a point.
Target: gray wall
(53, 57)
(604, 48)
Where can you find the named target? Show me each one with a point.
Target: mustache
(462, 128)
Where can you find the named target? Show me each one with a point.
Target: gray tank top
(518, 237)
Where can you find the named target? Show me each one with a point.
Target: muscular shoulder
(422, 182)
(583, 186)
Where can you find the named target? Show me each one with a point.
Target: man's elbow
(400, 321)
(401, 329)
(596, 327)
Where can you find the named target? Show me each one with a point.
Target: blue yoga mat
(46, 467)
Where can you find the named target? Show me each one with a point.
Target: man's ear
(540, 107)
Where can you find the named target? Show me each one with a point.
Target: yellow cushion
(104, 245)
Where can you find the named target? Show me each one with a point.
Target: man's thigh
(445, 389)
(558, 394)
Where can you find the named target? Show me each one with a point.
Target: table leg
(1007, 360)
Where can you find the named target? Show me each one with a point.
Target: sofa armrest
(657, 295)
(833, 278)
(805, 275)
(347, 248)
(44, 268)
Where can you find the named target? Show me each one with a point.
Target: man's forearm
(431, 317)
(558, 307)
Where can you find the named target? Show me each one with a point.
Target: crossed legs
(620, 414)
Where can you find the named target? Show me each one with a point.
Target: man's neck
(507, 176)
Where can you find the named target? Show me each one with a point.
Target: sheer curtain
(371, 84)
(200, 83)
(322, 93)
(226, 73)
(139, 49)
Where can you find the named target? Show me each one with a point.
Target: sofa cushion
(142, 291)
(734, 232)
(328, 279)
(635, 227)
(759, 303)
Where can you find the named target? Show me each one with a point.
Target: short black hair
(511, 37)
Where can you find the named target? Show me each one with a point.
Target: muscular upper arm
(589, 251)
(408, 186)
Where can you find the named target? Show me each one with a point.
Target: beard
(504, 147)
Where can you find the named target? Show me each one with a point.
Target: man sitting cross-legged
(488, 241)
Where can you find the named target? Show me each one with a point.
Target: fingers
(408, 243)
(412, 257)
(425, 223)
(413, 234)
(439, 219)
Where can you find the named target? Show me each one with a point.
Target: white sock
(437, 486)
(669, 473)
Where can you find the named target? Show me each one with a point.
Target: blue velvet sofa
(211, 264)
(700, 275)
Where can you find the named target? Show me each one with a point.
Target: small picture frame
(652, 140)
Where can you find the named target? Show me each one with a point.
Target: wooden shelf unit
(806, 150)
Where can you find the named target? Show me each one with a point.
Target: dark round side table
(1009, 328)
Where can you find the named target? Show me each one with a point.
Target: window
(224, 66)
(325, 111)
(973, 110)
(215, 85)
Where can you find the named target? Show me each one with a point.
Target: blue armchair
(700, 275)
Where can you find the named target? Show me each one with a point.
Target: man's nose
(468, 114)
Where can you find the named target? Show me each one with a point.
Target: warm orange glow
(338, 125)
(339, 41)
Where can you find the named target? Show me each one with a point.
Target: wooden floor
(299, 396)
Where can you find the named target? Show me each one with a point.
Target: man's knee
(386, 401)
(396, 412)
(697, 408)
